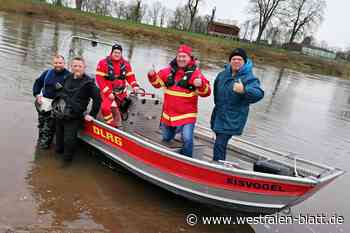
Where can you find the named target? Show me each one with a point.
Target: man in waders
(44, 90)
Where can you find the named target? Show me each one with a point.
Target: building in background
(318, 52)
(223, 29)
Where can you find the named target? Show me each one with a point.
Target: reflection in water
(86, 195)
(280, 75)
(341, 102)
(346, 115)
(131, 47)
(55, 40)
(76, 49)
(64, 195)
(275, 89)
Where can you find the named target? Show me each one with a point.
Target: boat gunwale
(276, 152)
(287, 179)
(321, 177)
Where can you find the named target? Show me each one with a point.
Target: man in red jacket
(112, 75)
(182, 82)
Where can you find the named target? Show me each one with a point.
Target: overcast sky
(335, 29)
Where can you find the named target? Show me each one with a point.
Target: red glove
(152, 75)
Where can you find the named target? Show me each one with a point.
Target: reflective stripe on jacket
(180, 104)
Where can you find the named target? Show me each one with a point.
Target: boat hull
(195, 180)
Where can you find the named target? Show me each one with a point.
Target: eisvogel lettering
(108, 136)
(255, 185)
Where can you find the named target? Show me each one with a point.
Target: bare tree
(129, 12)
(193, 9)
(163, 13)
(120, 9)
(104, 8)
(245, 26)
(180, 19)
(100, 7)
(347, 53)
(132, 10)
(136, 11)
(143, 12)
(212, 17)
(200, 24)
(253, 27)
(273, 34)
(176, 20)
(264, 10)
(78, 4)
(57, 2)
(154, 12)
(304, 14)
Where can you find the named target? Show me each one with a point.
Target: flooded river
(305, 114)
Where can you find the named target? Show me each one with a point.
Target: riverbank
(204, 43)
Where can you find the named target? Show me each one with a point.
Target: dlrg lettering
(107, 135)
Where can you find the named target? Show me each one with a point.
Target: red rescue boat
(254, 179)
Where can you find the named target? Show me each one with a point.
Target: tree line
(284, 20)
(276, 21)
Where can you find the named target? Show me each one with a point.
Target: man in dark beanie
(235, 88)
(239, 52)
(113, 73)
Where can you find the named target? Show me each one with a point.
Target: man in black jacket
(78, 89)
(44, 89)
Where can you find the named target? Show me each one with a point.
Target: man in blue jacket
(235, 88)
(45, 87)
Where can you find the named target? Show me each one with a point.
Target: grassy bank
(206, 44)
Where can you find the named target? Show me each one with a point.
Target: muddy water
(309, 115)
